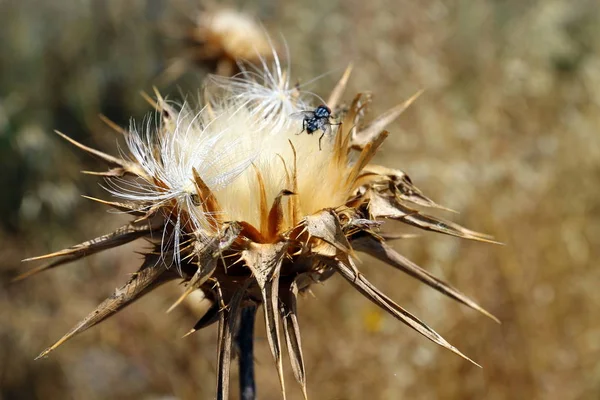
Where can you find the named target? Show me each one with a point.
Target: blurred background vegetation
(507, 133)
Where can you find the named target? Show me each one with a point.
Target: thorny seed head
(251, 211)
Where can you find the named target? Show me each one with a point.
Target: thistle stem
(245, 341)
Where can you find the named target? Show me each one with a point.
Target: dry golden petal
(291, 330)
(361, 284)
(289, 184)
(116, 163)
(263, 206)
(123, 235)
(264, 260)
(340, 87)
(339, 152)
(288, 179)
(276, 216)
(366, 155)
(294, 202)
(385, 253)
(207, 198)
(250, 232)
(347, 129)
(151, 274)
(370, 132)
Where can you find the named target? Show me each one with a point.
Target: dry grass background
(507, 133)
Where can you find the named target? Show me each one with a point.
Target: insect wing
(325, 128)
(302, 115)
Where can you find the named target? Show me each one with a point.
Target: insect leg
(303, 127)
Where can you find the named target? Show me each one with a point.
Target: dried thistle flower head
(245, 208)
(232, 34)
(222, 37)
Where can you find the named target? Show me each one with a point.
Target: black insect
(317, 119)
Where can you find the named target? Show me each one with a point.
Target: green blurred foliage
(507, 133)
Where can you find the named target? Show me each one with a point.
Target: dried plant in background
(243, 207)
(220, 38)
